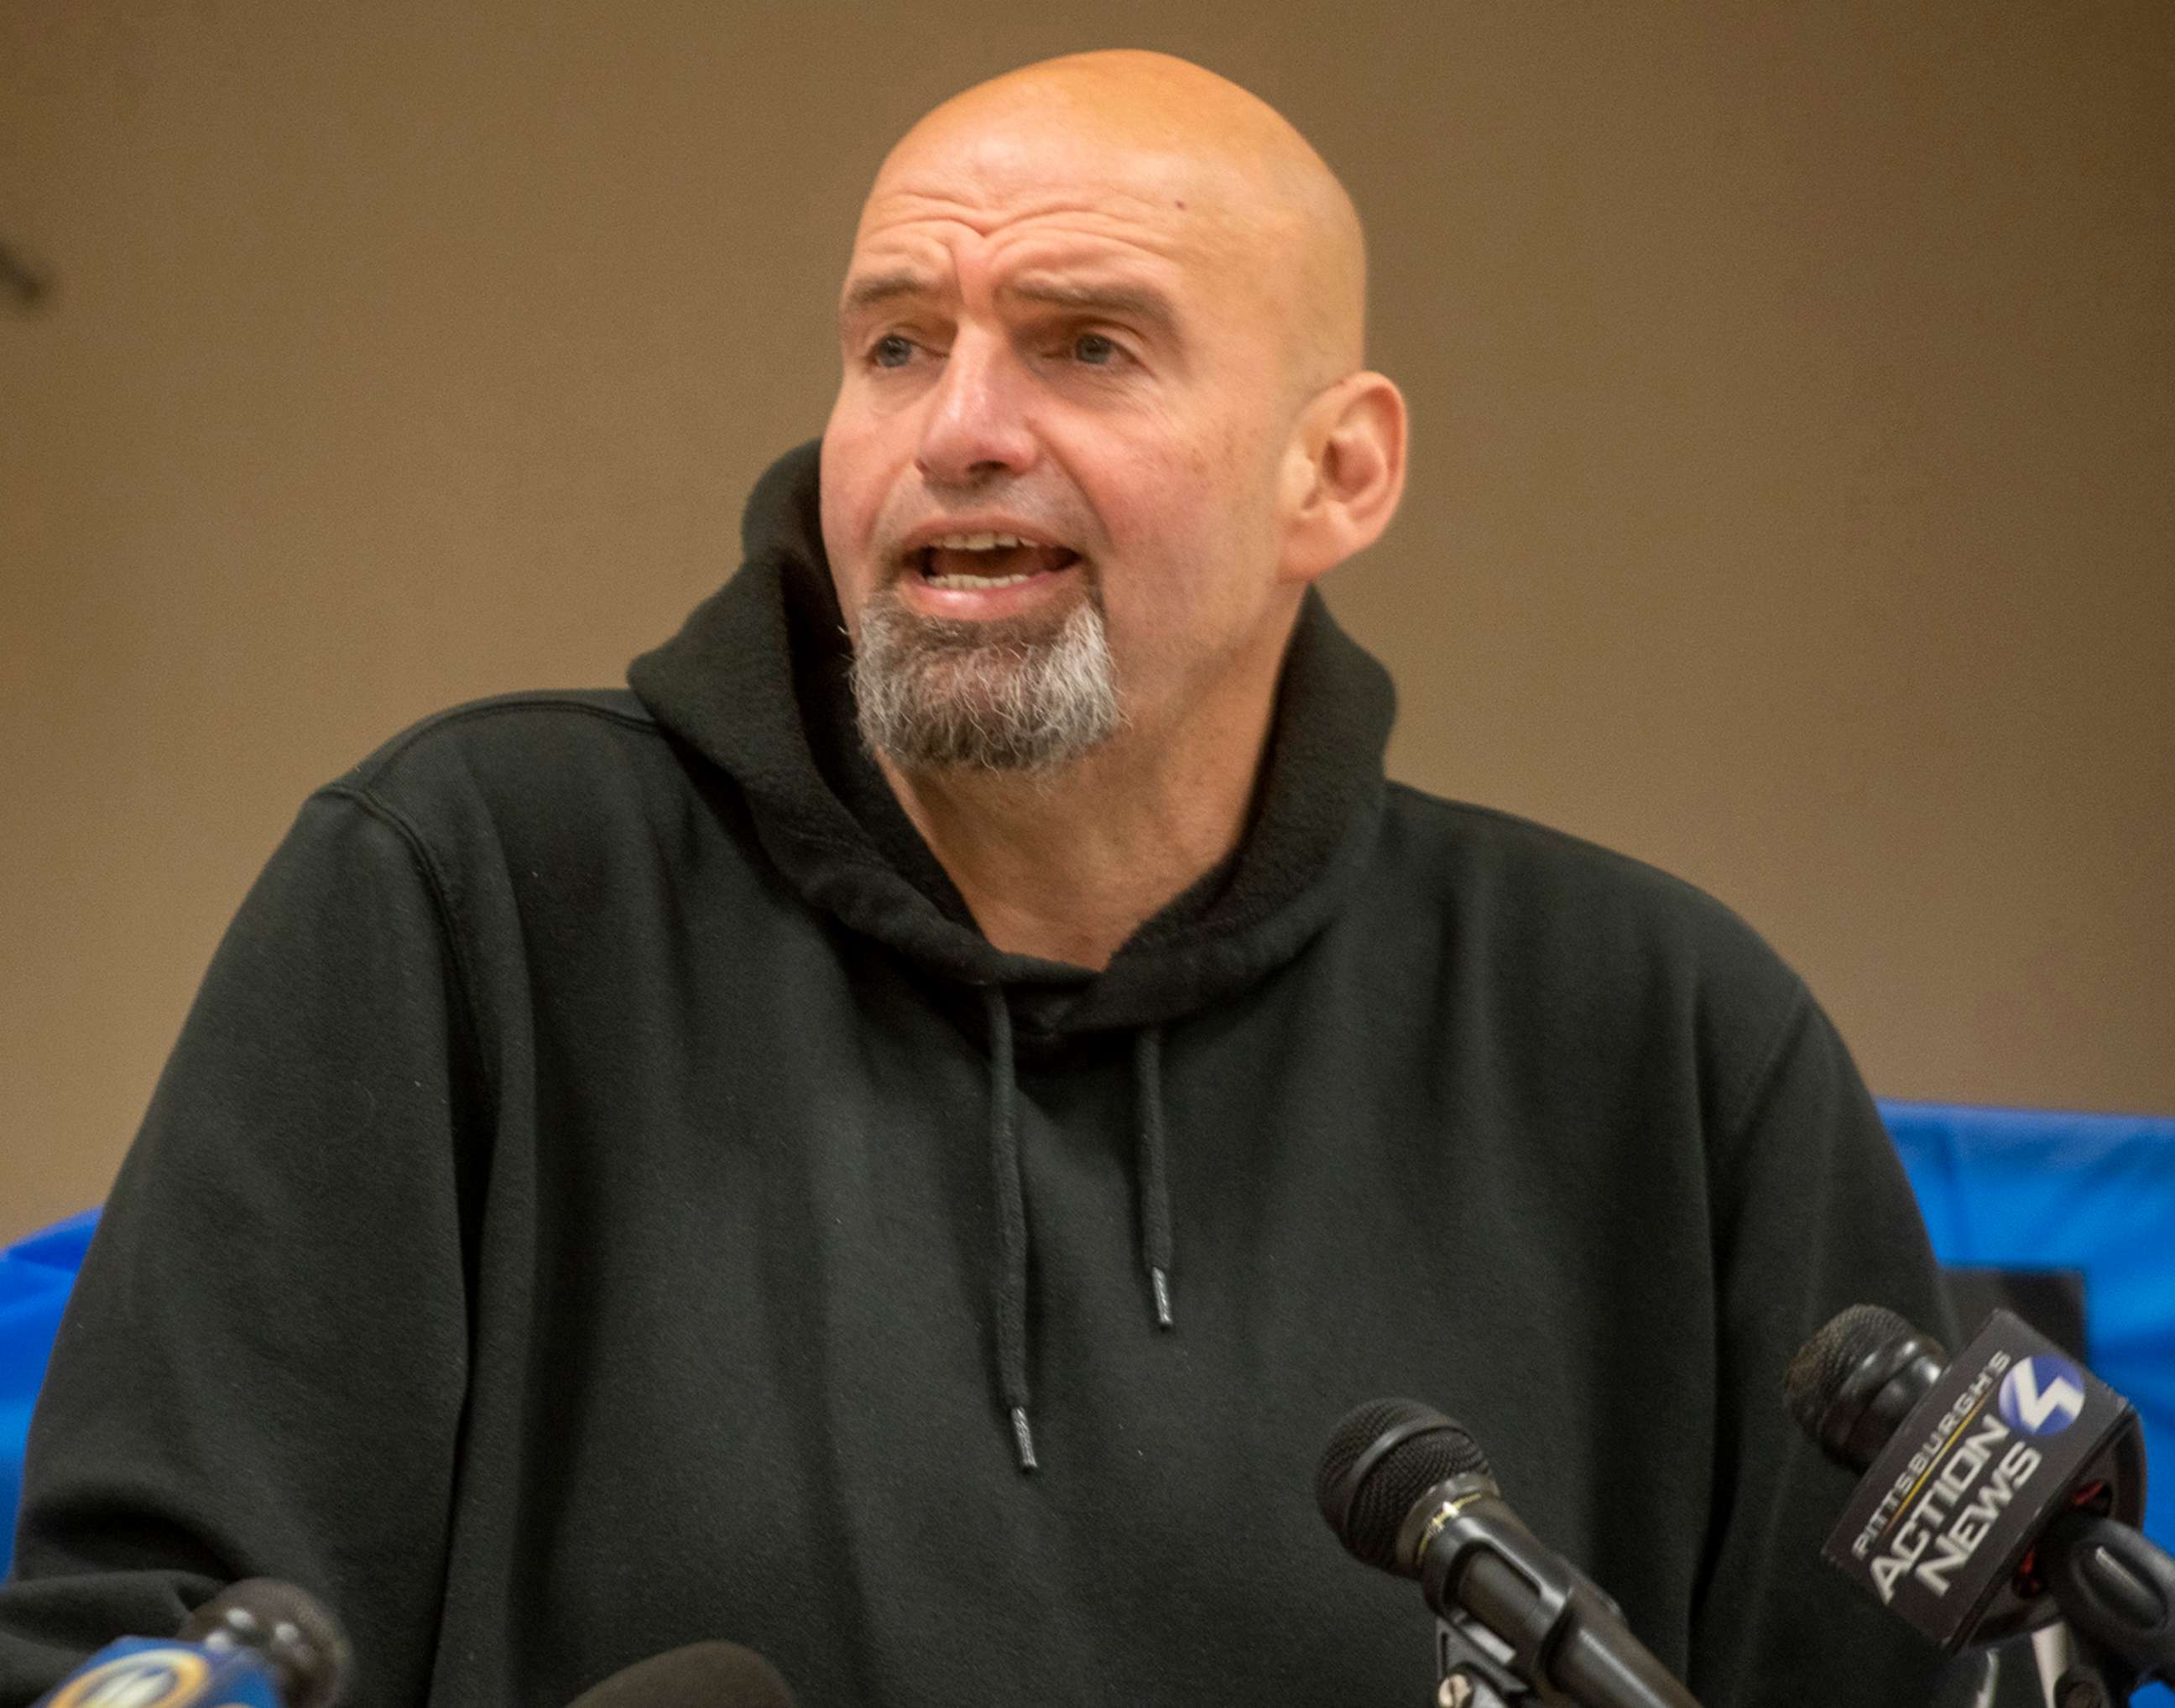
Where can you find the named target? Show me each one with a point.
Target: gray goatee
(1013, 696)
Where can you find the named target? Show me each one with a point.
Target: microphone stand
(1472, 1672)
(2117, 1590)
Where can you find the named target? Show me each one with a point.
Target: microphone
(258, 1644)
(1408, 1490)
(1969, 1466)
(695, 1675)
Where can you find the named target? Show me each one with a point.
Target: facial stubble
(1014, 695)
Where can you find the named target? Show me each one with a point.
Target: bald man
(894, 1142)
(1112, 307)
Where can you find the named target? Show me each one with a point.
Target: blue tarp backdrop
(2003, 1189)
(35, 1278)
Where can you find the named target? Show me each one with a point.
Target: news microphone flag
(257, 1644)
(1940, 1528)
(148, 1672)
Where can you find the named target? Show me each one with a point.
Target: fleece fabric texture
(569, 1227)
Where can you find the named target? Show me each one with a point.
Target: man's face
(1073, 345)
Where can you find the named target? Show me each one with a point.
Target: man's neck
(1067, 867)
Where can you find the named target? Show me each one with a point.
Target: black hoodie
(607, 1195)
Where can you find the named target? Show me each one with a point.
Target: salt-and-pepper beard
(1007, 695)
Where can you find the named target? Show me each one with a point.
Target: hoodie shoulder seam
(502, 705)
(441, 904)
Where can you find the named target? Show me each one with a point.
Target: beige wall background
(1793, 501)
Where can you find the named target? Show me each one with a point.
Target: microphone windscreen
(1379, 1460)
(1823, 1364)
(695, 1675)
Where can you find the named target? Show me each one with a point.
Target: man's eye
(891, 351)
(1096, 350)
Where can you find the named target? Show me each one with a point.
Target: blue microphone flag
(145, 1673)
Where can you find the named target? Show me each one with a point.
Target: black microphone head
(1379, 1460)
(1854, 1381)
(1824, 1362)
(302, 1645)
(695, 1675)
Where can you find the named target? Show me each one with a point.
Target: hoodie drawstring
(1152, 1181)
(1010, 1290)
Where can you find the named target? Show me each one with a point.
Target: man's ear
(1343, 474)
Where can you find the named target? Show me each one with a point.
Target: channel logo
(2041, 1396)
(149, 1678)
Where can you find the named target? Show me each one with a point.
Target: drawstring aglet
(1023, 1439)
(1162, 1285)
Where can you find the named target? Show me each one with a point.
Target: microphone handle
(2116, 1588)
(1568, 1641)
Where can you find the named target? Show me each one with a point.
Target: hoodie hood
(755, 681)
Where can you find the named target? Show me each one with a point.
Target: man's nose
(977, 424)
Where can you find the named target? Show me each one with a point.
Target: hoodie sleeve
(1814, 1214)
(262, 1368)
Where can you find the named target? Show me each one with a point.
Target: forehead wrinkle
(1106, 216)
(1233, 218)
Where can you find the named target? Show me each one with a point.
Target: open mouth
(972, 562)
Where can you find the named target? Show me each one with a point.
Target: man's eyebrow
(1142, 304)
(874, 290)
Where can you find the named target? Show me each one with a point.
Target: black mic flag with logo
(1940, 1529)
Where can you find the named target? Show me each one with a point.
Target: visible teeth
(977, 580)
(978, 542)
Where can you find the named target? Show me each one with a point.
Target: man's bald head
(1230, 172)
